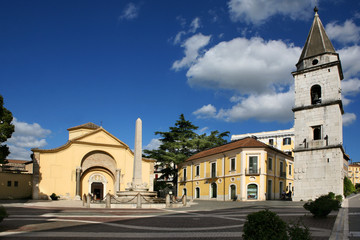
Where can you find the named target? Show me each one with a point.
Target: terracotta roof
(248, 142)
(88, 125)
(18, 161)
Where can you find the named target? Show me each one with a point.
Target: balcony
(283, 174)
(182, 179)
(212, 175)
(252, 172)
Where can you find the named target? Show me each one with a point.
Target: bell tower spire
(318, 151)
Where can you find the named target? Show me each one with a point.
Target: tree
(349, 187)
(6, 129)
(179, 143)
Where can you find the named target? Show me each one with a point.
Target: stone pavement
(202, 219)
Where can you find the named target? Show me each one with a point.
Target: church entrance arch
(97, 185)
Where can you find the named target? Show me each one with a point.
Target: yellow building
(16, 179)
(280, 139)
(246, 169)
(354, 172)
(92, 161)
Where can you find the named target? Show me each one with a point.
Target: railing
(212, 175)
(251, 172)
(283, 174)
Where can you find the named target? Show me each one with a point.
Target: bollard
(184, 200)
(167, 200)
(108, 201)
(138, 203)
(84, 199)
(88, 199)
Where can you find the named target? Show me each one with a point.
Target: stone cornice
(306, 70)
(335, 102)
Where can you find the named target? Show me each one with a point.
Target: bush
(323, 205)
(264, 225)
(53, 196)
(299, 231)
(3, 213)
(339, 198)
(348, 187)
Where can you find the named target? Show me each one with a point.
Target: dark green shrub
(3, 213)
(339, 198)
(331, 195)
(53, 196)
(323, 205)
(348, 187)
(299, 231)
(264, 225)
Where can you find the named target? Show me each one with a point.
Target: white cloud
(349, 57)
(203, 130)
(154, 144)
(346, 33)
(350, 87)
(247, 65)
(348, 118)
(257, 11)
(25, 137)
(265, 107)
(131, 11)
(192, 47)
(206, 111)
(195, 24)
(178, 37)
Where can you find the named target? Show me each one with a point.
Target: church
(319, 157)
(92, 161)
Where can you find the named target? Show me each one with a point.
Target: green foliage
(160, 185)
(3, 213)
(53, 196)
(179, 143)
(264, 225)
(6, 129)
(323, 205)
(339, 198)
(298, 231)
(348, 187)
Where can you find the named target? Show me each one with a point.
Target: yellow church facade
(245, 170)
(92, 161)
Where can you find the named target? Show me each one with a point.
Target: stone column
(242, 177)
(137, 172)
(117, 180)
(78, 174)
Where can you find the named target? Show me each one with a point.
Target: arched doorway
(213, 190)
(233, 192)
(97, 189)
(252, 192)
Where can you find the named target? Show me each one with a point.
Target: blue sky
(226, 65)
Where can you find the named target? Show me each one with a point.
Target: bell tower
(318, 150)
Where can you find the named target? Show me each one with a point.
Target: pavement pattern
(201, 220)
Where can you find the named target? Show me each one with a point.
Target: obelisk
(137, 171)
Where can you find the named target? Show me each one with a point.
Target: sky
(225, 65)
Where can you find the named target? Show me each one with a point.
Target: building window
(287, 141)
(233, 192)
(232, 164)
(315, 94)
(197, 170)
(253, 164)
(213, 190)
(271, 141)
(197, 192)
(213, 169)
(290, 169)
(16, 184)
(252, 191)
(270, 163)
(9, 183)
(317, 132)
(184, 174)
(282, 172)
